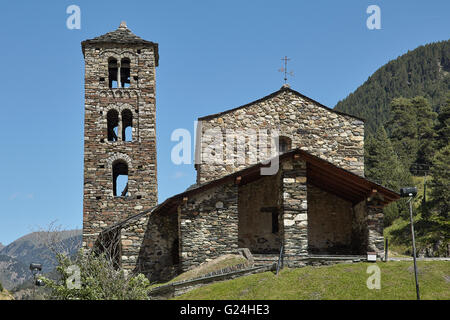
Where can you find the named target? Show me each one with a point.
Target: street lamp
(411, 192)
(35, 268)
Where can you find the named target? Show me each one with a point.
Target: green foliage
(443, 125)
(383, 166)
(424, 71)
(440, 182)
(425, 118)
(402, 128)
(432, 235)
(1, 287)
(100, 280)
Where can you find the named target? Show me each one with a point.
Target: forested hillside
(424, 71)
(406, 104)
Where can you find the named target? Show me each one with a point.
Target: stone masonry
(101, 208)
(295, 209)
(209, 225)
(332, 136)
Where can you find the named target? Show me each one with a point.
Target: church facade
(315, 202)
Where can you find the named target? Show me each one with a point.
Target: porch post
(294, 209)
(375, 227)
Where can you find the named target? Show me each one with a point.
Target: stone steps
(265, 259)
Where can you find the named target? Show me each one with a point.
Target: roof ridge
(283, 88)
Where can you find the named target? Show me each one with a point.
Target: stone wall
(329, 223)
(151, 246)
(209, 225)
(294, 208)
(332, 136)
(258, 200)
(375, 217)
(100, 207)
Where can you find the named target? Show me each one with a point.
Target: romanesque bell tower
(119, 129)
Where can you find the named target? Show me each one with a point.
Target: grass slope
(337, 282)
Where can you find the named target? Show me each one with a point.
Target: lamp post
(35, 268)
(411, 192)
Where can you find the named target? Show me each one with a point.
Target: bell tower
(119, 129)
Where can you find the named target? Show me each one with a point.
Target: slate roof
(121, 35)
(321, 173)
(283, 88)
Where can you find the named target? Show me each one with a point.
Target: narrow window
(175, 252)
(127, 125)
(275, 226)
(125, 73)
(120, 178)
(113, 124)
(284, 144)
(112, 73)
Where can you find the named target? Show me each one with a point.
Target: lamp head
(408, 192)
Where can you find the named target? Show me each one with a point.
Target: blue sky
(214, 55)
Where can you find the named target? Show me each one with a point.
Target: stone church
(316, 203)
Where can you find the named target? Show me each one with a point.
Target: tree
(425, 118)
(402, 128)
(440, 182)
(383, 166)
(443, 125)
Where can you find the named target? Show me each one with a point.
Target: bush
(1, 287)
(99, 280)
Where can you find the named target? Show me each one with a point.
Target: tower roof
(121, 35)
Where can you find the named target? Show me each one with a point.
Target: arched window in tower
(127, 125)
(113, 125)
(125, 73)
(284, 144)
(120, 178)
(113, 70)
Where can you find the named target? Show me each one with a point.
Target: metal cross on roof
(285, 69)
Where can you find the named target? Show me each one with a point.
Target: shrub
(99, 280)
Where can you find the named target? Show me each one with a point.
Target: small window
(113, 69)
(127, 125)
(125, 73)
(275, 225)
(284, 144)
(113, 125)
(120, 179)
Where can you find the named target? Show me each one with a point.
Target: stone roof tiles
(121, 35)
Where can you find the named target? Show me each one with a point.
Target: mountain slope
(423, 71)
(16, 257)
(12, 272)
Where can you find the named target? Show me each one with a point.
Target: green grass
(337, 282)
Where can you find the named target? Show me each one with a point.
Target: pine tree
(440, 183)
(426, 135)
(402, 127)
(443, 125)
(383, 166)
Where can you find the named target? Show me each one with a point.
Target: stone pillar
(375, 216)
(294, 209)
